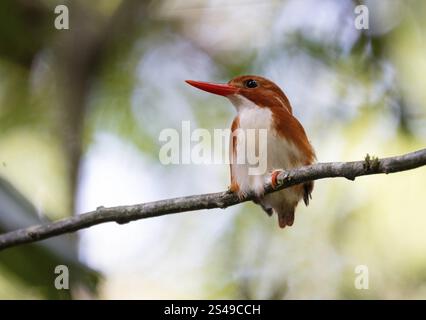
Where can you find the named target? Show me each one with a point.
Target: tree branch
(124, 214)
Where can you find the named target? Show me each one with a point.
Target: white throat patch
(240, 102)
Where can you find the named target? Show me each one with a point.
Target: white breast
(279, 151)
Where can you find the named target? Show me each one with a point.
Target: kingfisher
(261, 104)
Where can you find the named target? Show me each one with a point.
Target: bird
(261, 104)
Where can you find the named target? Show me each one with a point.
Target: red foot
(234, 187)
(274, 177)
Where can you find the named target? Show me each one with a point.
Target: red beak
(216, 88)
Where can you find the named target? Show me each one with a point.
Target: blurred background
(81, 111)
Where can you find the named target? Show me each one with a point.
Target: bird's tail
(307, 192)
(285, 216)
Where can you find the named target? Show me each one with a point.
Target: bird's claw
(274, 178)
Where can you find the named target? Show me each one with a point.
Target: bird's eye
(251, 83)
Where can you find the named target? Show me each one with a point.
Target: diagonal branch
(124, 214)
